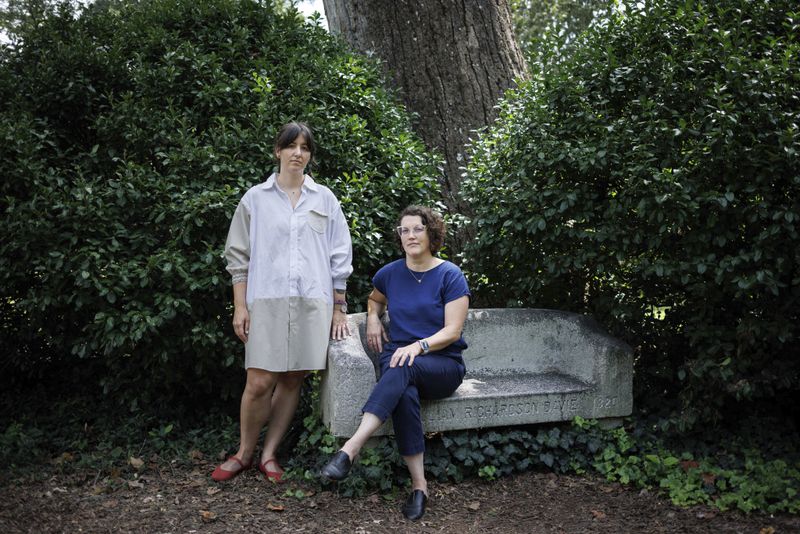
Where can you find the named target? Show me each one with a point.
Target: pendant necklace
(418, 280)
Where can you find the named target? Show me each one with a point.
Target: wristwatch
(342, 305)
(426, 348)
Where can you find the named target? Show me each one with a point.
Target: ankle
(244, 455)
(350, 451)
(270, 460)
(423, 487)
(272, 464)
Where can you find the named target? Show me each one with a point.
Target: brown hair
(434, 225)
(291, 131)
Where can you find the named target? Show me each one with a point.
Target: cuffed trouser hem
(377, 410)
(412, 452)
(381, 413)
(400, 388)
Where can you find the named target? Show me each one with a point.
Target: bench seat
(524, 366)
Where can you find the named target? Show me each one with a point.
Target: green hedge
(127, 136)
(652, 179)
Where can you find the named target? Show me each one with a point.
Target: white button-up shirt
(291, 259)
(282, 251)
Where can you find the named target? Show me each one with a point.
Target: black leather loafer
(338, 467)
(414, 508)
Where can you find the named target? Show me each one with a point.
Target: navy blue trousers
(400, 389)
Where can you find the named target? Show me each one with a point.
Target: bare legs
(369, 424)
(416, 468)
(270, 397)
(284, 404)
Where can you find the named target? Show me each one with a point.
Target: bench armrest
(346, 383)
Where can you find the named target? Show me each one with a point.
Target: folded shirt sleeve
(237, 246)
(341, 248)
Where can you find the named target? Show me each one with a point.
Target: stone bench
(524, 366)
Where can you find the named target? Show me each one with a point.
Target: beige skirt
(288, 334)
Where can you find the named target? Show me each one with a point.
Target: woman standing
(428, 299)
(289, 254)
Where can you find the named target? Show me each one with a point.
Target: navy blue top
(416, 309)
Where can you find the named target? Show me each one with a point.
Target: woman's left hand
(339, 328)
(403, 354)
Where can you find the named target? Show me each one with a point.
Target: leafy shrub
(755, 468)
(651, 179)
(128, 133)
(40, 435)
(749, 484)
(549, 27)
(735, 475)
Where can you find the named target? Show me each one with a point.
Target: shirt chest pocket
(318, 221)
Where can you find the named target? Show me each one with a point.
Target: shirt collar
(308, 182)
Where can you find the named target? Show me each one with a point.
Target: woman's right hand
(241, 322)
(376, 334)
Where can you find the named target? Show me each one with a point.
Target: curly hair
(434, 225)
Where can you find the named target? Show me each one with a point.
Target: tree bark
(451, 60)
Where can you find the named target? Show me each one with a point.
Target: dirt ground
(184, 499)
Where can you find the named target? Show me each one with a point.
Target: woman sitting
(428, 299)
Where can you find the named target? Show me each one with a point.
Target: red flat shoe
(275, 476)
(221, 475)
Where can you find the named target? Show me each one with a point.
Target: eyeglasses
(404, 231)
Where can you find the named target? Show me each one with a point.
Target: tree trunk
(451, 60)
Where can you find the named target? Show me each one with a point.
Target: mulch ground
(184, 499)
